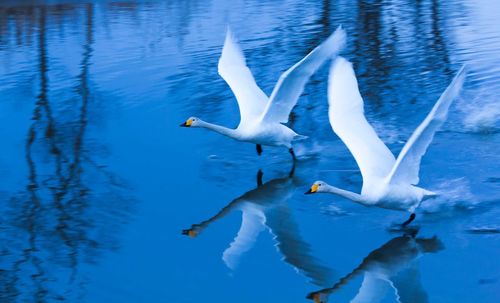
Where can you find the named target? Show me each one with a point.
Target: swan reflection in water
(265, 207)
(394, 266)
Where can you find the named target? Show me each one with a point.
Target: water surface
(105, 199)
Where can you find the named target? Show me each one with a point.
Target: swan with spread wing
(262, 117)
(387, 182)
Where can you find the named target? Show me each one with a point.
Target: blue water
(99, 181)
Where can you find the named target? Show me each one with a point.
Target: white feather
(291, 83)
(408, 163)
(348, 121)
(233, 69)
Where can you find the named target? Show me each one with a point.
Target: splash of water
(453, 194)
(482, 114)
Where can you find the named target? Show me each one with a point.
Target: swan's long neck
(346, 194)
(220, 129)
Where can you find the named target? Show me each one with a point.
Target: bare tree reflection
(70, 209)
(439, 44)
(369, 59)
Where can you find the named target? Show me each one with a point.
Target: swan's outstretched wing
(349, 123)
(233, 69)
(291, 83)
(408, 162)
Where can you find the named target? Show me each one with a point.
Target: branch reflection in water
(71, 207)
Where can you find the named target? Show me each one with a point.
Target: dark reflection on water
(91, 94)
(393, 266)
(266, 207)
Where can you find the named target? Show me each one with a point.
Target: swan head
(317, 187)
(192, 122)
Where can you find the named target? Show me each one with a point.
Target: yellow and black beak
(312, 190)
(187, 123)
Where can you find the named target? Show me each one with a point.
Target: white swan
(387, 182)
(262, 117)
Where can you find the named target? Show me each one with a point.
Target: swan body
(275, 134)
(262, 117)
(387, 182)
(402, 197)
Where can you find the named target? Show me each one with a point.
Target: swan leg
(292, 171)
(259, 177)
(259, 149)
(411, 218)
(293, 154)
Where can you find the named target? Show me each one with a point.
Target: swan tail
(429, 194)
(300, 138)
